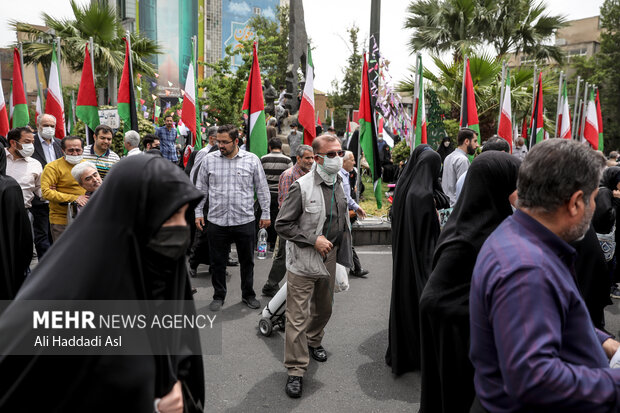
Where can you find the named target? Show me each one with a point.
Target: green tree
(347, 92)
(609, 73)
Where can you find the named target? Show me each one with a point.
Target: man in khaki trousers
(314, 221)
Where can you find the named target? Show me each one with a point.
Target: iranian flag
(564, 118)
(599, 118)
(4, 118)
(537, 124)
(189, 114)
(591, 129)
(306, 108)
(368, 134)
(504, 129)
(86, 107)
(20, 116)
(126, 94)
(54, 103)
(469, 112)
(420, 118)
(254, 108)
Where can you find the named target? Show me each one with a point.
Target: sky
(326, 24)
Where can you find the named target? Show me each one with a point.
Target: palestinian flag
(420, 111)
(591, 128)
(564, 126)
(189, 110)
(4, 118)
(368, 134)
(86, 107)
(537, 124)
(254, 108)
(504, 129)
(126, 94)
(20, 116)
(599, 118)
(54, 104)
(306, 108)
(469, 112)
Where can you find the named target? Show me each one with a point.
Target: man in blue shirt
(167, 138)
(533, 345)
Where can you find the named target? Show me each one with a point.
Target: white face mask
(73, 159)
(26, 150)
(330, 168)
(47, 132)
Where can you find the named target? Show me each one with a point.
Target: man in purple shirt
(533, 346)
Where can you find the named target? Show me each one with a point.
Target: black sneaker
(362, 273)
(270, 292)
(318, 353)
(216, 305)
(251, 302)
(294, 386)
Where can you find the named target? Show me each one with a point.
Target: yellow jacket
(58, 174)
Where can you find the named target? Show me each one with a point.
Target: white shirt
(134, 151)
(454, 166)
(27, 172)
(48, 149)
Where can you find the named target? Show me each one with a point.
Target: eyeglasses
(74, 151)
(220, 143)
(332, 154)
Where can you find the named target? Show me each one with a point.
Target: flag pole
(574, 125)
(501, 93)
(465, 60)
(584, 111)
(557, 113)
(21, 66)
(39, 90)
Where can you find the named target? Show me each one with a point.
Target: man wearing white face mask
(46, 149)
(20, 164)
(314, 221)
(60, 188)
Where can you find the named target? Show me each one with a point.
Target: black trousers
(273, 214)
(200, 250)
(278, 267)
(220, 239)
(41, 227)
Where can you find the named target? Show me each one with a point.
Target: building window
(256, 10)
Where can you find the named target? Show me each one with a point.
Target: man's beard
(470, 149)
(577, 232)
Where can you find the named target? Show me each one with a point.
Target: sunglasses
(332, 154)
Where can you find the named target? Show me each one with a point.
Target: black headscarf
(445, 151)
(415, 228)
(611, 177)
(447, 374)
(103, 256)
(15, 234)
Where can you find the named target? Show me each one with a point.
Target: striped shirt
(167, 139)
(286, 180)
(229, 185)
(274, 164)
(103, 162)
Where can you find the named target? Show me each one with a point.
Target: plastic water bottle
(261, 247)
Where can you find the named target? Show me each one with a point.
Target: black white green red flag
(254, 108)
(469, 111)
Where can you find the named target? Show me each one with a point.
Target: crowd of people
(501, 308)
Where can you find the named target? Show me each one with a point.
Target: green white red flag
(86, 107)
(54, 104)
(368, 134)
(537, 123)
(189, 114)
(504, 129)
(591, 130)
(4, 118)
(420, 111)
(126, 94)
(306, 108)
(599, 118)
(254, 108)
(20, 116)
(469, 111)
(564, 125)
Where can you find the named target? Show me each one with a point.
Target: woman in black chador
(447, 374)
(415, 228)
(128, 243)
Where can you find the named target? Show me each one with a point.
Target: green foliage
(401, 152)
(452, 129)
(348, 91)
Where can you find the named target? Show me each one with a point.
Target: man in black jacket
(46, 149)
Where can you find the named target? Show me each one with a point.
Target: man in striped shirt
(274, 163)
(100, 153)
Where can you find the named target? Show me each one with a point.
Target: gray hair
(132, 138)
(301, 149)
(212, 131)
(348, 154)
(78, 170)
(554, 170)
(40, 118)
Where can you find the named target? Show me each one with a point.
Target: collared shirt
(229, 185)
(274, 164)
(533, 345)
(103, 162)
(286, 180)
(134, 151)
(167, 138)
(27, 172)
(346, 185)
(454, 166)
(48, 149)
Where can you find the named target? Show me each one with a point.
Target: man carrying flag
(306, 108)
(254, 108)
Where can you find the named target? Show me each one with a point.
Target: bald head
(46, 126)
